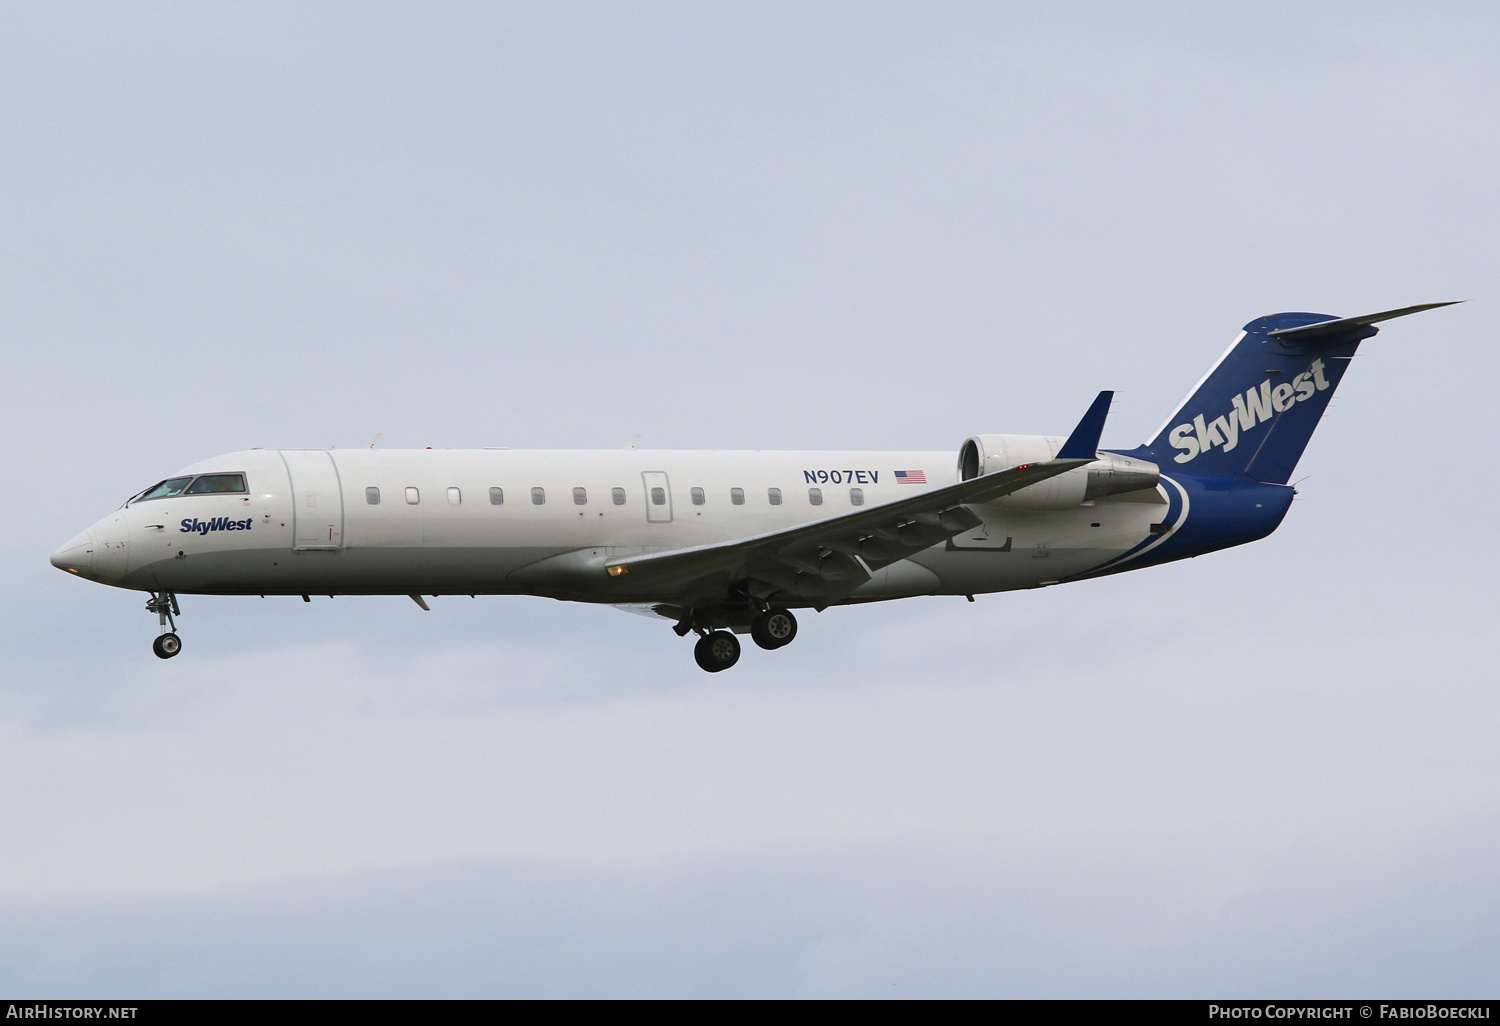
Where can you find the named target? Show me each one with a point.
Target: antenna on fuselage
(377, 438)
(631, 444)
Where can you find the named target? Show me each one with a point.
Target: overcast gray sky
(1270, 771)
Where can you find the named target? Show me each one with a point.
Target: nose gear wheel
(164, 605)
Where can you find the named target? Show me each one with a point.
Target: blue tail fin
(1255, 410)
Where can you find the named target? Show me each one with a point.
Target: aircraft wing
(817, 561)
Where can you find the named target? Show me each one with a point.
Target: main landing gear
(773, 628)
(164, 604)
(719, 650)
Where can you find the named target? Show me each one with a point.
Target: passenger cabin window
(580, 496)
(165, 490)
(815, 496)
(372, 496)
(617, 496)
(210, 484)
(658, 496)
(737, 496)
(497, 496)
(856, 496)
(698, 499)
(413, 496)
(538, 496)
(774, 494)
(455, 496)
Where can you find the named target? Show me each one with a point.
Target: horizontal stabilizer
(1323, 329)
(1083, 443)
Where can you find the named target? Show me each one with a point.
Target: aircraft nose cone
(77, 556)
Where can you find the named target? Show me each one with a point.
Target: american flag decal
(911, 477)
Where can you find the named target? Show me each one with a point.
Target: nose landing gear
(164, 604)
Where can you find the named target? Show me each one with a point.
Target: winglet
(1083, 443)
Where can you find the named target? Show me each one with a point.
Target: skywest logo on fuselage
(1256, 406)
(216, 524)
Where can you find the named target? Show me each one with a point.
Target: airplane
(724, 544)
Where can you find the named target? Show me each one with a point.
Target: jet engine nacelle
(1111, 474)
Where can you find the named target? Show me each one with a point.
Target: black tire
(166, 646)
(774, 628)
(717, 651)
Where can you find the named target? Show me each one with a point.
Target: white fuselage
(408, 522)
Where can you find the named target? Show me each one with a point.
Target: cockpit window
(203, 484)
(209, 484)
(168, 488)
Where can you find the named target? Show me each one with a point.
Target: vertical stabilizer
(1253, 413)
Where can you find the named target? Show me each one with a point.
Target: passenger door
(658, 497)
(317, 500)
